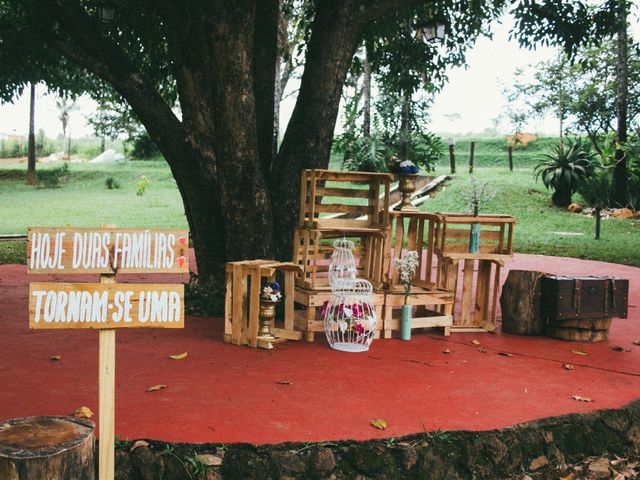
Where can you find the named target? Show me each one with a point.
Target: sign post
(106, 305)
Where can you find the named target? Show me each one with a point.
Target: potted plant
(406, 171)
(476, 196)
(406, 270)
(270, 295)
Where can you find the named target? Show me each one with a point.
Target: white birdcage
(349, 316)
(343, 263)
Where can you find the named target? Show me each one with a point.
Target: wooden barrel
(580, 330)
(47, 448)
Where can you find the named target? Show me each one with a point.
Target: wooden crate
(423, 317)
(312, 250)
(242, 301)
(308, 305)
(452, 231)
(344, 200)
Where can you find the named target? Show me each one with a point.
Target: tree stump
(47, 448)
(520, 303)
(580, 330)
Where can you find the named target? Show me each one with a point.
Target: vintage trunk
(583, 297)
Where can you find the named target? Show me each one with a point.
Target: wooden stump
(580, 330)
(520, 303)
(47, 448)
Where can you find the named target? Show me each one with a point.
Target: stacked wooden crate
(479, 272)
(333, 204)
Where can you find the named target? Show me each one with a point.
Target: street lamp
(106, 11)
(434, 31)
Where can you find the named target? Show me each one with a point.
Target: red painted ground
(225, 393)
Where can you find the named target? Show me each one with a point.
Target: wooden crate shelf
(313, 249)
(452, 232)
(344, 200)
(308, 304)
(440, 315)
(242, 301)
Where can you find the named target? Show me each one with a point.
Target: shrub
(142, 147)
(142, 186)
(111, 183)
(366, 155)
(53, 178)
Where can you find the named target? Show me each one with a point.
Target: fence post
(510, 150)
(452, 155)
(472, 148)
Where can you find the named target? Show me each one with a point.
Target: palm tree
(565, 168)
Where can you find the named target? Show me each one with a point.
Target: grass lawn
(84, 200)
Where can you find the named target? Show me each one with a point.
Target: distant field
(85, 201)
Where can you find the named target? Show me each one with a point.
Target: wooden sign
(107, 250)
(105, 305)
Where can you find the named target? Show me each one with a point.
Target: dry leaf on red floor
(568, 366)
(178, 356)
(482, 350)
(379, 423)
(505, 354)
(580, 352)
(284, 382)
(618, 348)
(446, 351)
(637, 342)
(82, 412)
(475, 342)
(55, 357)
(581, 399)
(138, 443)
(155, 388)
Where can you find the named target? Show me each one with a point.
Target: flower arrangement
(271, 292)
(354, 317)
(477, 196)
(406, 270)
(402, 167)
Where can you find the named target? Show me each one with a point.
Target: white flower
(348, 312)
(342, 325)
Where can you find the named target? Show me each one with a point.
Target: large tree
(216, 59)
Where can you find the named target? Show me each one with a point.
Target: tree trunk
(309, 135)
(561, 197)
(102, 142)
(405, 125)
(31, 156)
(620, 173)
(47, 448)
(366, 90)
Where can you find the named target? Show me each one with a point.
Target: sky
(472, 95)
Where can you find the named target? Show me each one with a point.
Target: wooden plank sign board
(107, 250)
(105, 305)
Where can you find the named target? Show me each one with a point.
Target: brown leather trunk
(585, 297)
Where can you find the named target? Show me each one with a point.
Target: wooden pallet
(242, 301)
(452, 232)
(312, 250)
(308, 304)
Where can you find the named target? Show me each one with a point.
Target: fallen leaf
(505, 354)
(379, 423)
(55, 357)
(475, 342)
(538, 463)
(581, 399)
(637, 342)
(568, 477)
(580, 352)
(138, 443)
(156, 388)
(178, 356)
(446, 351)
(601, 465)
(568, 366)
(284, 382)
(618, 348)
(482, 350)
(82, 412)
(209, 459)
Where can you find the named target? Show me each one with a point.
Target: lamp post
(106, 11)
(434, 31)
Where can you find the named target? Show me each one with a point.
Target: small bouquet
(402, 167)
(477, 196)
(271, 292)
(406, 270)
